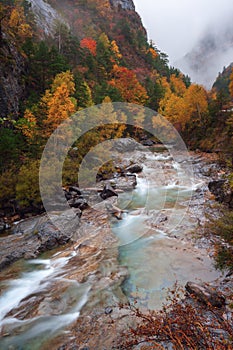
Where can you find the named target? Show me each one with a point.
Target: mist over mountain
(212, 52)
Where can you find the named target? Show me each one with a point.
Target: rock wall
(46, 16)
(12, 66)
(124, 4)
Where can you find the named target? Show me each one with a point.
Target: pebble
(108, 310)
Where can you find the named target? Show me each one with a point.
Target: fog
(176, 25)
(183, 26)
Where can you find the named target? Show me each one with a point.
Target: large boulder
(205, 294)
(36, 235)
(125, 145)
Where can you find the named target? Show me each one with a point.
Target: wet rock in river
(79, 203)
(75, 190)
(108, 192)
(36, 235)
(115, 211)
(127, 182)
(135, 168)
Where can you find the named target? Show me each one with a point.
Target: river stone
(108, 310)
(75, 189)
(205, 294)
(115, 211)
(108, 192)
(135, 168)
(79, 203)
(148, 142)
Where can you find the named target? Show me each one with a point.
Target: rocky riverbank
(38, 234)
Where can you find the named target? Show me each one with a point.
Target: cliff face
(124, 4)
(12, 68)
(46, 16)
(83, 18)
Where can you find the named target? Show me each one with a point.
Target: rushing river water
(152, 247)
(155, 258)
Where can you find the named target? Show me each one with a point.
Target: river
(41, 297)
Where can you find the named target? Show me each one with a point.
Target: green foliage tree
(104, 54)
(43, 64)
(27, 187)
(11, 145)
(8, 182)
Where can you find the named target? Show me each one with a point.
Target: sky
(176, 25)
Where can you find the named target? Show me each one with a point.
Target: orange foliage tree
(59, 101)
(180, 104)
(153, 53)
(127, 83)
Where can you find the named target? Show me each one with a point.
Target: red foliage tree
(89, 44)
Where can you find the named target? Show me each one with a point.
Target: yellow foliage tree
(27, 187)
(196, 102)
(153, 53)
(177, 85)
(55, 106)
(18, 25)
(174, 109)
(116, 51)
(64, 78)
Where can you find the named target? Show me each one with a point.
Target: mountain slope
(221, 84)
